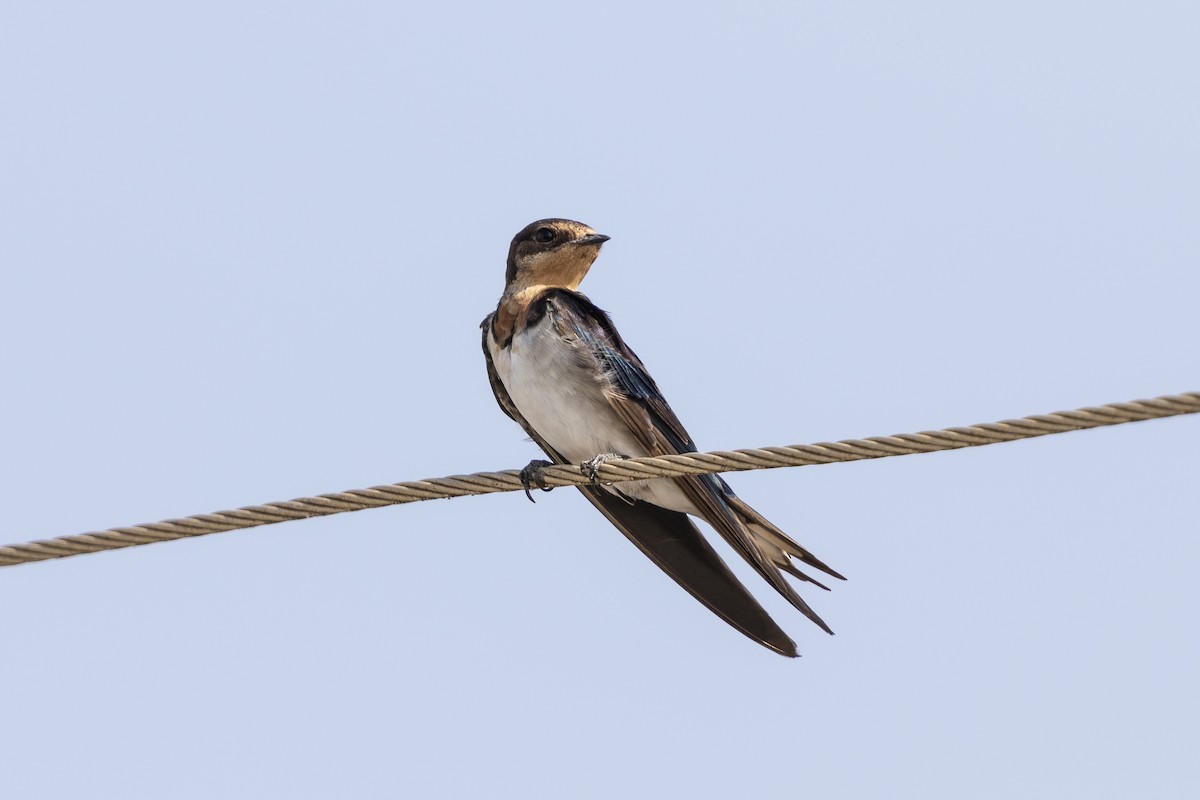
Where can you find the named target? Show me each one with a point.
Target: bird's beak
(593, 238)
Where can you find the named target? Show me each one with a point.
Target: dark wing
(669, 539)
(640, 404)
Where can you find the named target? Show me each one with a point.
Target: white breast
(556, 385)
(552, 383)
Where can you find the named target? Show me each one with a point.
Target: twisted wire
(799, 455)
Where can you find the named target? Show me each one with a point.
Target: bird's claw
(591, 468)
(532, 477)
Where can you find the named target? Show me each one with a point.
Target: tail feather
(765, 531)
(711, 498)
(672, 541)
(790, 568)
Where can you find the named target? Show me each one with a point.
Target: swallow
(558, 367)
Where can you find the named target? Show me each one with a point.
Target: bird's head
(552, 252)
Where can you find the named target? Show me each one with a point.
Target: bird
(559, 368)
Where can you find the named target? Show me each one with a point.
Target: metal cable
(612, 472)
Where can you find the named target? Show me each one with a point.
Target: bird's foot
(591, 468)
(532, 477)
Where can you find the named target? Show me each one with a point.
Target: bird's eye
(543, 235)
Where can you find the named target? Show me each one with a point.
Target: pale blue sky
(245, 249)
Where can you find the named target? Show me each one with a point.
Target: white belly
(554, 384)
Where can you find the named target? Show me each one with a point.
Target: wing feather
(640, 404)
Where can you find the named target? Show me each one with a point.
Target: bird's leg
(592, 468)
(532, 477)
